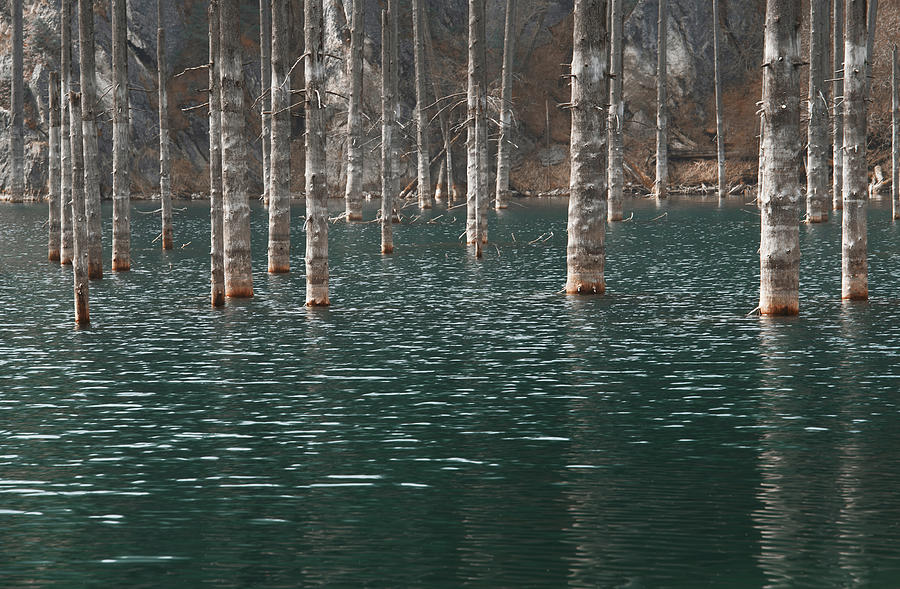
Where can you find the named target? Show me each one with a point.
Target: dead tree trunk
(475, 100)
(817, 137)
(616, 121)
(662, 117)
(53, 190)
(316, 192)
(895, 134)
(17, 124)
(854, 266)
(443, 117)
(165, 162)
(279, 189)
(424, 156)
(79, 217)
(121, 243)
(504, 145)
(585, 253)
(720, 105)
(89, 131)
(265, 101)
(837, 97)
(387, 132)
(216, 221)
(236, 200)
(66, 238)
(354, 197)
(779, 249)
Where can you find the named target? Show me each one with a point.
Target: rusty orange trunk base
(95, 271)
(788, 310)
(586, 289)
(121, 266)
(240, 293)
(218, 299)
(53, 255)
(318, 303)
(274, 269)
(167, 243)
(65, 262)
(387, 249)
(353, 217)
(823, 218)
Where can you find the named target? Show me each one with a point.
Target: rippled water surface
(450, 421)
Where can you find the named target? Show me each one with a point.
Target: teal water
(452, 422)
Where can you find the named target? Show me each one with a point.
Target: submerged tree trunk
(53, 190)
(89, 131)
(66, 244)
(779, 248)
(17, 124)
(616, 121)
(79, 217)
(585, 253)
(387, 132)
(854, 266)
(895, 134)
(121, 243)
(354, 197)
(817, 137)
(266, 40)
(279, 189)
(424, 156)
(837, 97)
(236, 200)
(475, 101)
(504, 145)
(316, 194)
(720, 104)
(216, 228)
(662, 116)
(165, 162)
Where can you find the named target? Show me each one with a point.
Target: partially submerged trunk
(316, 192)
(354, 195)
(616, 122)
(53, 190)
(475, 103)
(121, 243)
(585, 253)
(504, 145)
(216, 228)
(662, 116)
(165, 162)
(817, 138)
(837, 96)
(79, 217)
(17, 124)
(66, 243)
(236, 200)
(895, 134)
(779, 248)
(387, 133)
(854, 266)
(720, 105)
(279, 189)
(89, 131)
(265, 100)
(424, 156)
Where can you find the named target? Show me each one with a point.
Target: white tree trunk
(236, 199)
(475, 103)
(837, 96)
(662, 116)
(585, 253)
(504, 145)
(895, 134)
(79, 217)
(165, 162)
(89, 138)
(279, 189)
(817, 181)
(779, 248)
(66, 238)
(424, 155)
(354, 197)
(854, 265)
(265, 102)
(387, 132)
(720, 106)
(53, 190)
(17, 124)
(616, 120)
(216, 222)
(121, 243)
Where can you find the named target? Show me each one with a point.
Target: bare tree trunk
(616, 121)
(585, 253)
(265, 102)
(353, 197)
(316, 192)
(817, 138)
(424, 156)
(17, 124)
(837, 97)
(662, 116)
(89, 131)
(236, 200)
(279, 189)
(165, 162)
(66, 245)
(216, 221)
(79, 217)
(779, 248)
(53, 191)
(440, 189)
(854, 265)
(121, 243)
(387, 132)
(720, 104)
(895, 134)
(872, 21)
(501, 194)
(480, 162)
(399, 152)
(475, 100)
(443, 117)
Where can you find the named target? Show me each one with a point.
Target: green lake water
(450, 421)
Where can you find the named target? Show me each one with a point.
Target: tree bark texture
(585, 253)
(476, 102)
(165, 160)
(89, 138)
(387, 132)
(615, 124)
(779, 248)
(79, 216)
(266, 42)
(316, 192)
(216, 227)
(817, 180)
(279, 190)
(504, 145)
(854, 265)
(399, 153)
(17, 124)
(353, 197)
(236, 199)
(662, 116)
(121, 242)
(423, 156)
(895, 134)
(66, 238)
(837, 96)
(720, 104)
(53, 190)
